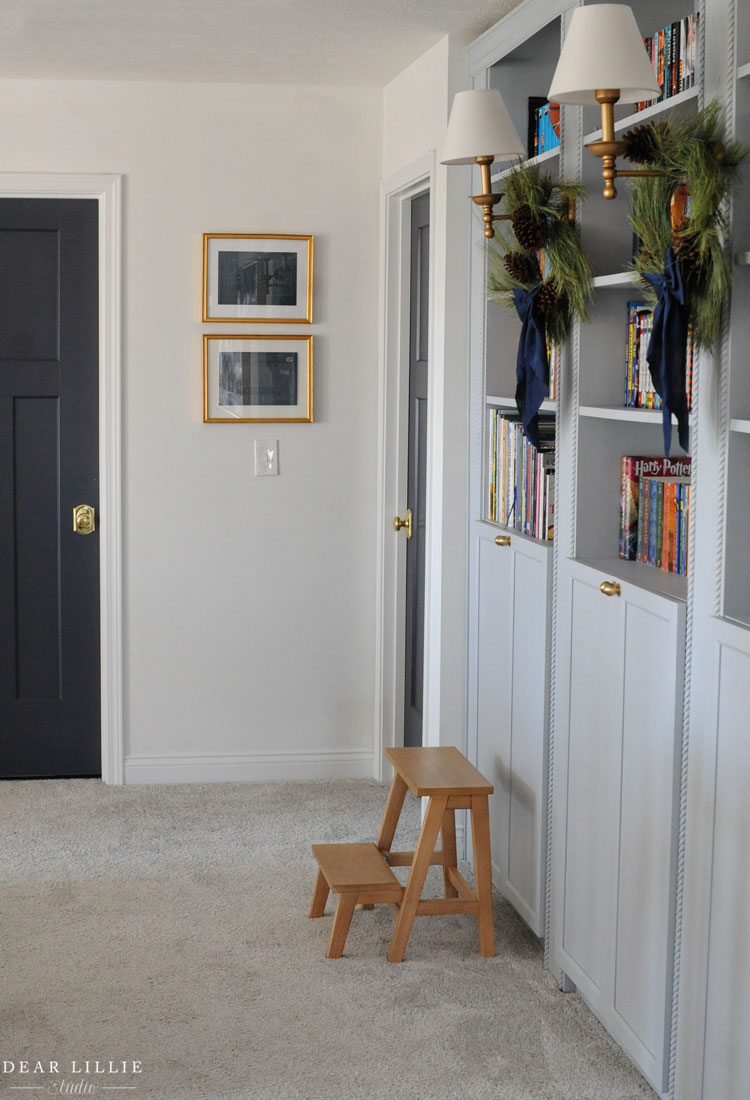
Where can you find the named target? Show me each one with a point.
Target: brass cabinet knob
(398, 523)
(84, 519)
(502, 540)
(610, 588)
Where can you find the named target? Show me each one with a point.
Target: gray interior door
(417, 484)
(49, 433)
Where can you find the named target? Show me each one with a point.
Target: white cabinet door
(594, 726)
(621, 741)
(713, 1055)
(512, 706)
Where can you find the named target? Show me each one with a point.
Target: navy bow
(667, 349)
(532, 364)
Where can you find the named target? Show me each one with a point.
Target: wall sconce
(480, 131)
(603, 60)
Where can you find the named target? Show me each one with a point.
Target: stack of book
(639, 387)
(673, 52)
(655, 511)
(544, 126)
(521, 490)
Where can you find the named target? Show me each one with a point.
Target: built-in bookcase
(510, 573)
(737, 549)
(628, 686)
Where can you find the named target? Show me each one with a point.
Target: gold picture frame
(255, 379)
(258, 278)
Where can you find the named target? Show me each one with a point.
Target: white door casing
(393, 443)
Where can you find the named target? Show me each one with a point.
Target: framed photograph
(257, 379)
(256, 278)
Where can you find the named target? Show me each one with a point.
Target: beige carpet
(168, 926)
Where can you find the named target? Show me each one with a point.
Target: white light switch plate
(266, 457)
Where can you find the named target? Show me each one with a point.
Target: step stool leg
(448, 831)
(393, 808)
(341, 921)
(320, 896)
(420, 865)
(480, 832)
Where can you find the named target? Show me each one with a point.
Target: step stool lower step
(360, 876)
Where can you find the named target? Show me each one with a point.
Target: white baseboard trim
(243, 767)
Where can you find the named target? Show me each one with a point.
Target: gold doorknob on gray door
(610, 588)
(502, 540)
(84, 519)
(398, 523)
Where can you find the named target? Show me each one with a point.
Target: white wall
(249, 603)
(416, 106)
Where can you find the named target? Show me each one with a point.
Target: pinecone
(686, 248)
(522, 267)
(640, 145)
(547, 298)
(528, 227)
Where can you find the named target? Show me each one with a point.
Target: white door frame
(106, 189)
(396, 193)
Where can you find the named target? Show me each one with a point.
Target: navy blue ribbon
(532, 364)
(667, 350)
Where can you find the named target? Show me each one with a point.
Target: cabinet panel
(727, 1054)
(622, 735)
(512, 685)
(527, 764)
(594, 723)
(652, 727)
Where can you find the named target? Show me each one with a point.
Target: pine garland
(687, 151)
(538, 205)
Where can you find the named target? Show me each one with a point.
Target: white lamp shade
(603, 49)
(480, 126)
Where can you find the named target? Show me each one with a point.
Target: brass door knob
(610, 588)
(84, 519)
(398, 523)
(502, 540)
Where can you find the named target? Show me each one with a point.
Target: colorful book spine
(672, 52)
(519, 475)
(639, 520)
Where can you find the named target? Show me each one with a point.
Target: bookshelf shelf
(551, 154)
(743, 71)
(619, 280)
(648, 577)
(510, 403)
(649, 113)
(614, 412)
(742, 259)
(740, 425)
(492, 528)
(740, 618)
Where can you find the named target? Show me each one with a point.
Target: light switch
(266, 457)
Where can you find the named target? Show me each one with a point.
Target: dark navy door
(49, 442)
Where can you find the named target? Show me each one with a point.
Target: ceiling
(364, 42)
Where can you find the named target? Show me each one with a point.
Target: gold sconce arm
(609, 149)
(488, 199)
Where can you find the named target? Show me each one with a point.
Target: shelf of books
(520, 477)
(522, 77)
(673, 51)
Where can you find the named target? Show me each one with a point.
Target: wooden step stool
(360, 876)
